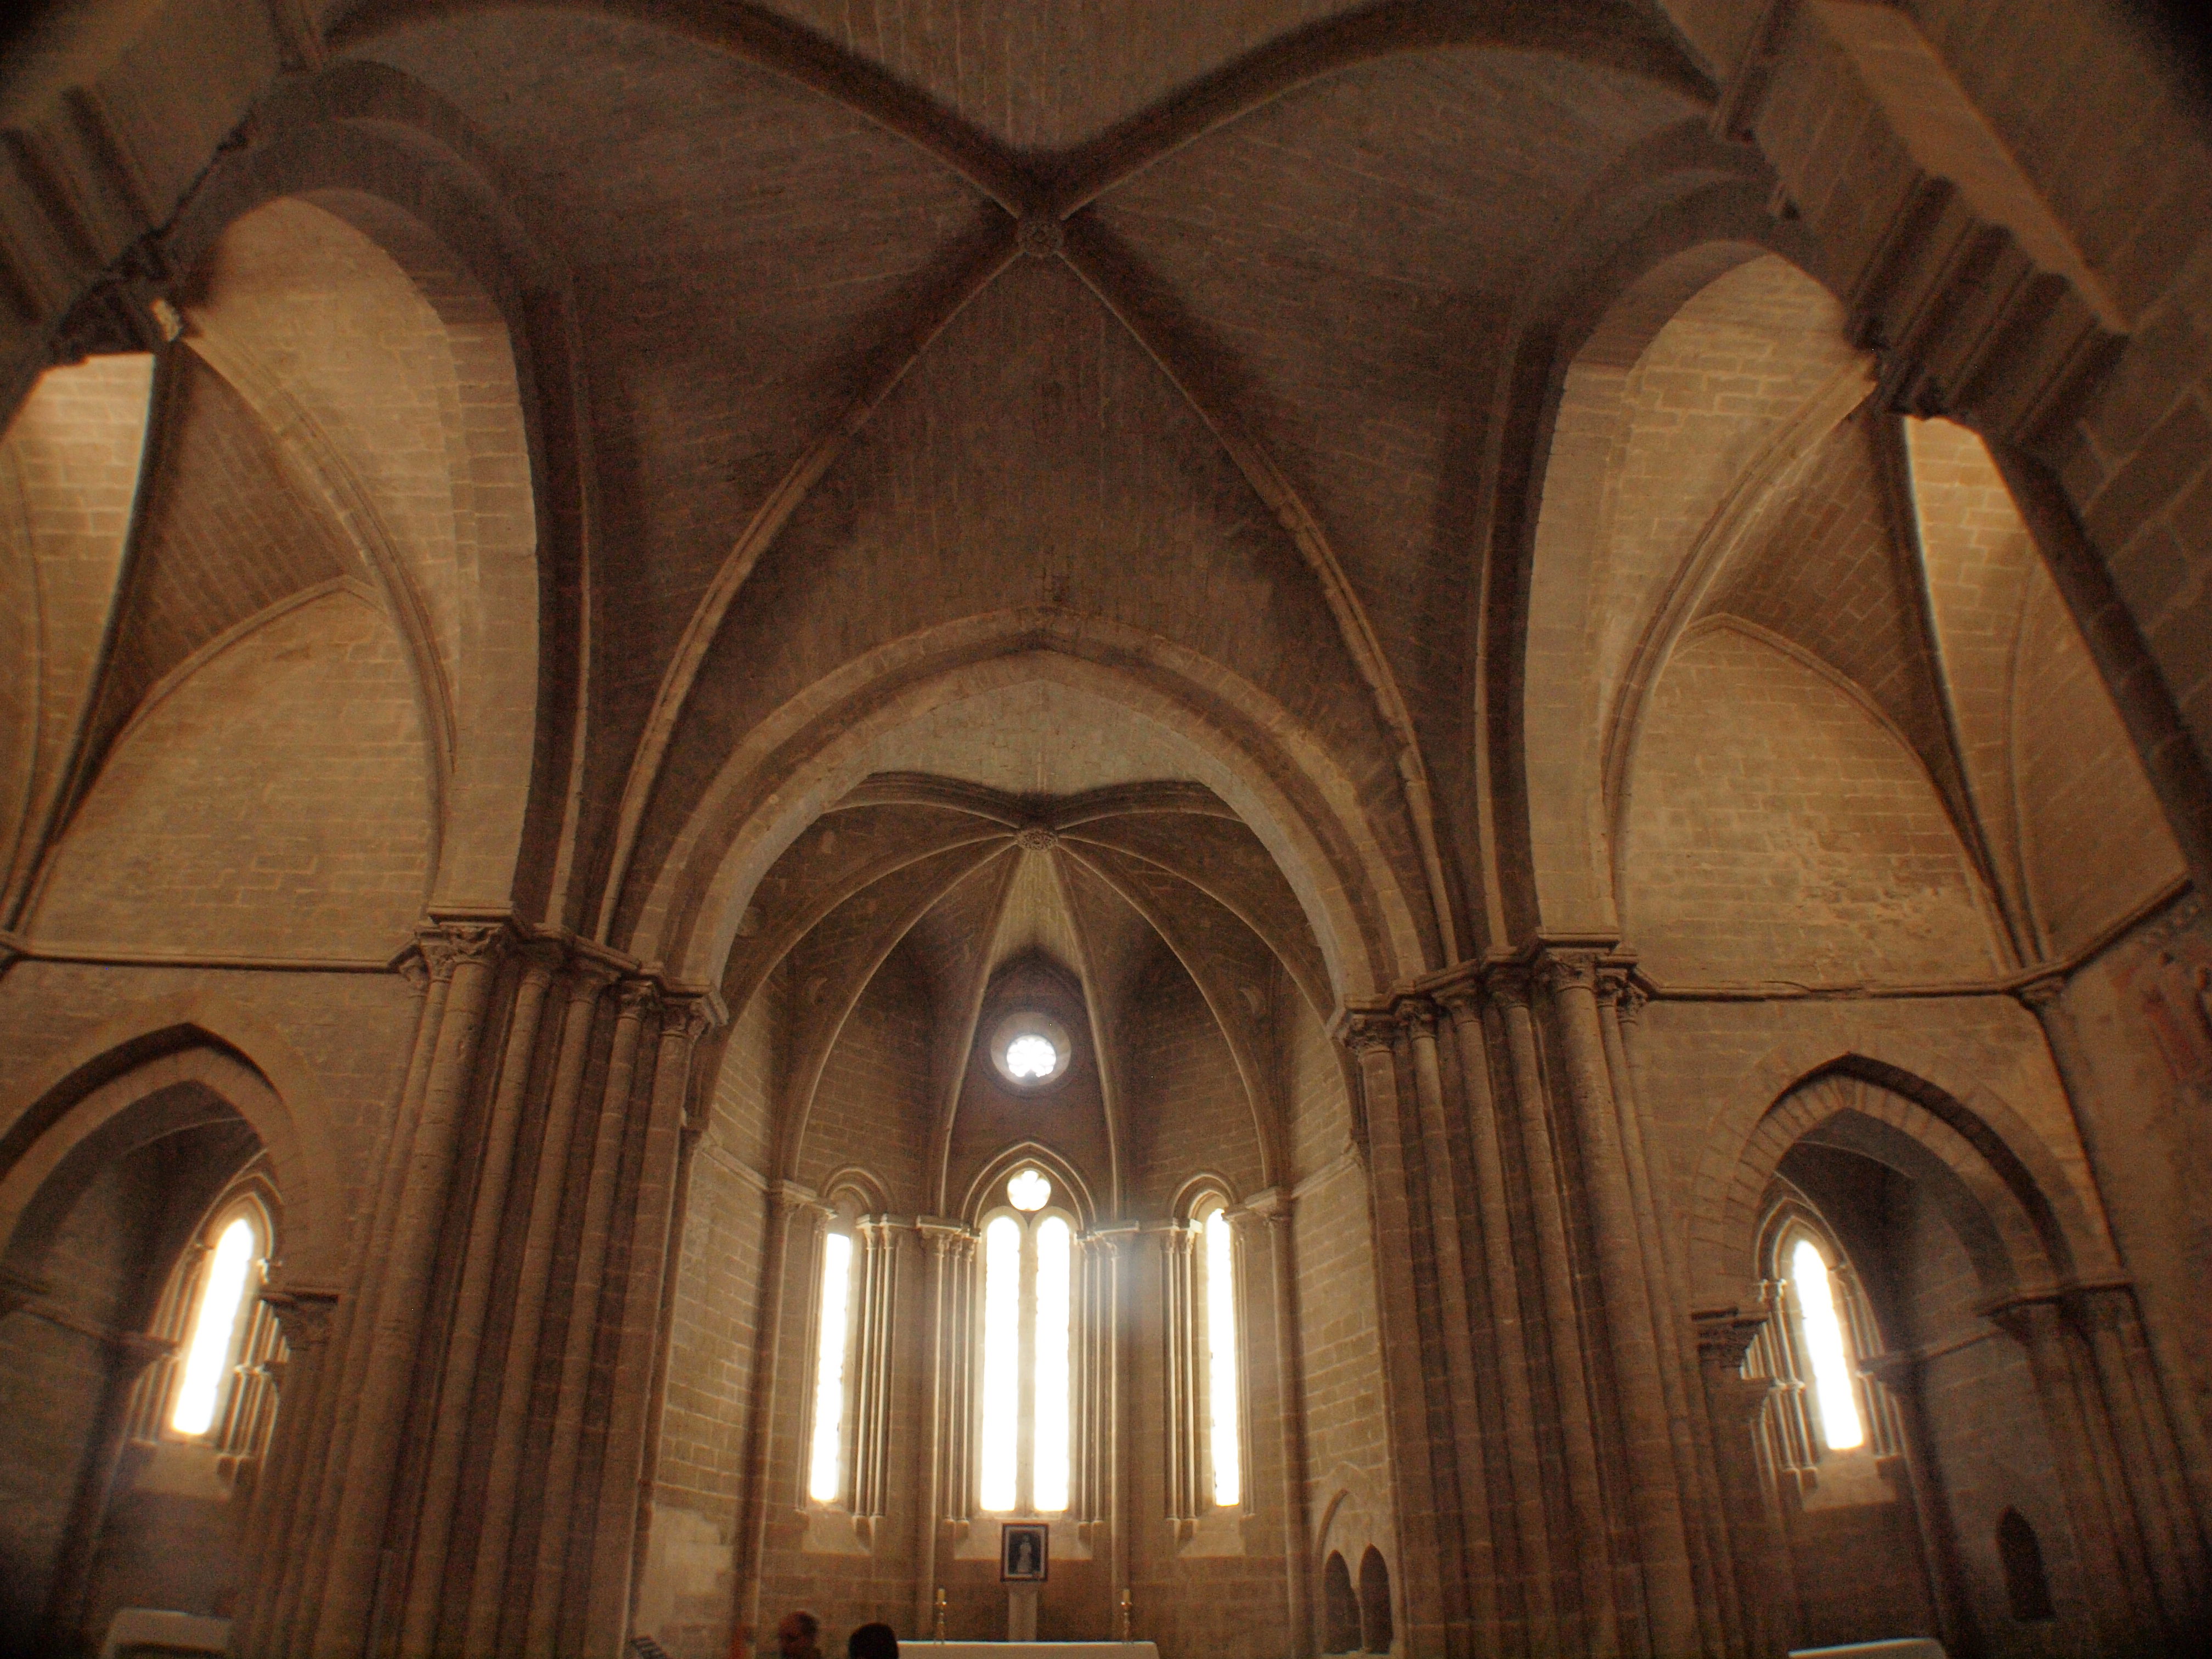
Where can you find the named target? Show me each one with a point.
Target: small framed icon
(1024, 1551)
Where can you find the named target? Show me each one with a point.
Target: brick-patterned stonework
(1547, 631)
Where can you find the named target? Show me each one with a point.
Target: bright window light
(1031, 1055)
(825, 1481)
(208, 1354)
(1049, 1446)
(1002, 1360)
(1221, 1356)
(1824, 1343)
(1030, 1191)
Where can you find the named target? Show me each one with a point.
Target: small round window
(1030, 1049)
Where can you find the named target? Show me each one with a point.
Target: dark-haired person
(872, 1642)
(799, 1636)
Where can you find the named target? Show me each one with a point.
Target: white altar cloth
(1908, 1647)
(1029, 1650)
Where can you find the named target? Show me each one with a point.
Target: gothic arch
(2003, 1191)
(1069, 1193)
(145, 1076)
(1301, 800)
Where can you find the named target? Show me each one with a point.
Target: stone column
(637, 1001)
(1587, 1538)
(790, 1206)
(949, 1246)
(292, 1627)
(1179, 1385)
(1422, 1452)
(283, 1504)
(468, 952)
(489, 1585)
(1666, 1296)
(1442, 1163)
(875, 1315)
(1267, 1215)
(1523, 1475)
(450, 1422)
(1670, 1601)
(639, 1336)
(1735, 1403)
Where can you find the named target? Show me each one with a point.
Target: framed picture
(1024, 1551)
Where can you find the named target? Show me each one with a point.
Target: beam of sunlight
(208, 1354)
(1221, 1356)
(1002, 1359)
(1824, 1344)
(825, 1481)
(1055, 1280)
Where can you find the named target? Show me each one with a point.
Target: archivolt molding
(792, 767)
(202, 1040)
(2036, 1198)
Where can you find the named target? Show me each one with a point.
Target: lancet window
(216, 1386)
(1819, 1339)
(1205, 1362)
(854, 1282)
(1025, 1462)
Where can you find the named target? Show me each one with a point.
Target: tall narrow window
(1024, 1439)
(825, 1481)
(1223, 1443)
(1825, 1346)
(207, 1354)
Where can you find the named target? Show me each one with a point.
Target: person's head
(798, 1637)
(872, 1642)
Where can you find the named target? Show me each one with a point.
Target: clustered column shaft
(424, 1496)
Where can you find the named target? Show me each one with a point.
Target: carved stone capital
(303, 1317)
(1569, 970)
(792, 1197)
(2038, 994)
(1370, 1030)
(1418, 1015)
(635, 999)
(1724, 1337)
(686, 1014)
(1631, 1000)
(1614, 984)
(446, 945)
(1508, 984)
(944, 1237)
(589, 974)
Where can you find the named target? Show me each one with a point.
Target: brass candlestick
(1125, 1615)
(939, 1627)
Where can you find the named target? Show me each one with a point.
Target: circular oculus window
(1030, 1049)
